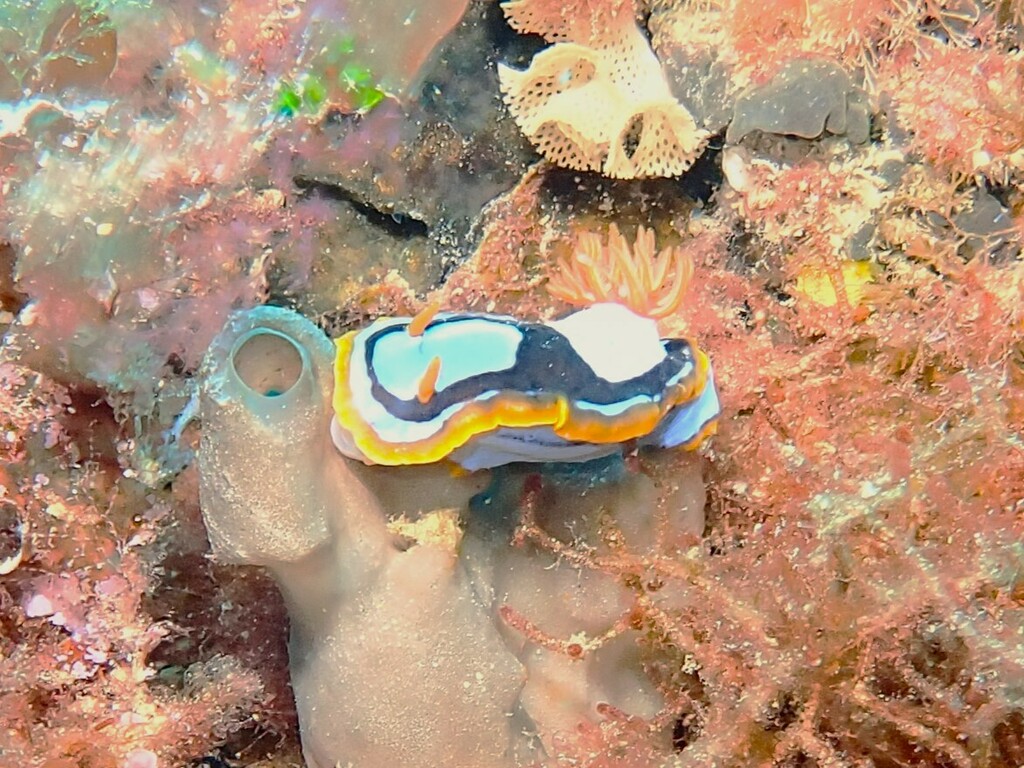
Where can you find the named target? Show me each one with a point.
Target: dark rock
(807, 98)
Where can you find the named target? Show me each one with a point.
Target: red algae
(498, 277)
(855, 598)
(138, 210)
(959, 107)
(855, 595)
(77, 688)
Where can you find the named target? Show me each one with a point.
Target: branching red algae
(856, 598)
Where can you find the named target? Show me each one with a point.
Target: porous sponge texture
(573, 20)
(603, 105)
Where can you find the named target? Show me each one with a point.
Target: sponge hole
(268, 362)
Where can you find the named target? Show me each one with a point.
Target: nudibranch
(485, 390)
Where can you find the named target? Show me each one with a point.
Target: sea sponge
(394, 660)
(421, 623)
(579, 21)
(597, 100)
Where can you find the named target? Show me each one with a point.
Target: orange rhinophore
(422, 319)
(428, 382)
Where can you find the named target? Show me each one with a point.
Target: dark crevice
(704, 178)
(685, 731)
(631, 141)
(11, 299)
(396, 224)
(511, 47)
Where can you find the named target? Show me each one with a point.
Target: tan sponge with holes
(603, 105)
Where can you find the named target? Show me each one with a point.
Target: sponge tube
(264, 403)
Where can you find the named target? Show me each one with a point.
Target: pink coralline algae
(834, 580)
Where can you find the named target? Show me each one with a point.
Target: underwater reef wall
(827, 196)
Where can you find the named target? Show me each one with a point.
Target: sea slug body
(485, 390)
